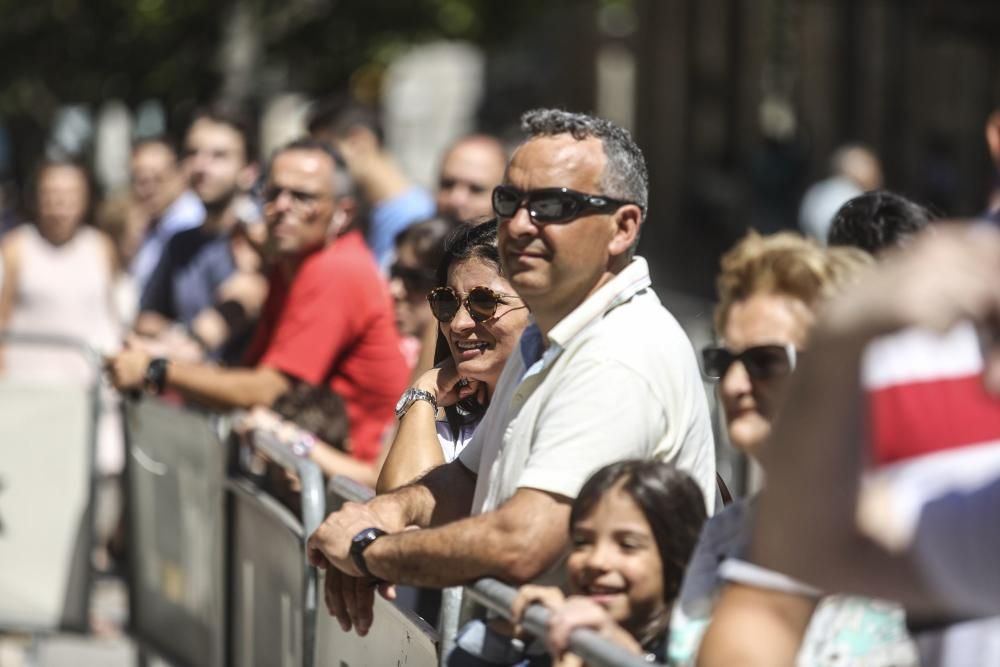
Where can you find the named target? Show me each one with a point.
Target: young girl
(632, 527)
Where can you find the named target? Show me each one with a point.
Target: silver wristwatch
(409, 397)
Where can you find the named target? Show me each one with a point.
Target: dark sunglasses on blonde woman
(481, 302)
(762, 362)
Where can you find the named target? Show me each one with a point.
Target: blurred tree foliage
(85, 51)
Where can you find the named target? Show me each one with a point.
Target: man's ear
(627, 221)
(343, 216)
(248, 176)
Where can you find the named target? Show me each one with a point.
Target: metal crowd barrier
(273, 589)
(397, 637)
(47, 473)
(498, 596)
(175, 469)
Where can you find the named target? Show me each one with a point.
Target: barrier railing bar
(498, 597)
(313, 501)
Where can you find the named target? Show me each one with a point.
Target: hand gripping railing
(498, 597)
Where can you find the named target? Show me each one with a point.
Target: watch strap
(361, 542)
(411, 396)
(155, 378)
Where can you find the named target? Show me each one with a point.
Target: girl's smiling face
(616, 562)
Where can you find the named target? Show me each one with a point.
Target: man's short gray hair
(625, 176)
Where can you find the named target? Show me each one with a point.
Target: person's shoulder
(12, 243)
(639, 329)
(348, 256)
(184, 239)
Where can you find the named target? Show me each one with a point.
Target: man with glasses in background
(603, 373)
(327, 320)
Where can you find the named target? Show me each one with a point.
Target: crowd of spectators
(493, 359)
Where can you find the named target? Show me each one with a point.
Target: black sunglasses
(762, 362)
(481, 302)
(551, 204)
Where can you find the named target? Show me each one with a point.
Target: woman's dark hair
(427, 241)
(467, 241)
(670, 500)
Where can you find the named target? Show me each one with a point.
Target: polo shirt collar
(632, 280)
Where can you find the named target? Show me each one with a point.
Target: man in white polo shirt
(603, 373)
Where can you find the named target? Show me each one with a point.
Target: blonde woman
(770, 288)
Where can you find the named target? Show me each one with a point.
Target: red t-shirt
(335, 322)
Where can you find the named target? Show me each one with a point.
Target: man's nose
(520, 223)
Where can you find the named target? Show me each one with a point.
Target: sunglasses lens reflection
(716, 361)
(444, 305)
(550, 208)
(767, 361)
(505, 201)
(482, 303)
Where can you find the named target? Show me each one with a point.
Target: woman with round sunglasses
(769, 290)
(480, 321)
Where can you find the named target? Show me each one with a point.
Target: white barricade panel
(46, 464)
(395, 638)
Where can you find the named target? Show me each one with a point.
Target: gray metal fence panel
(47, 439)
(174, 502)
(273, 589)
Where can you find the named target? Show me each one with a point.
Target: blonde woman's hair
(787, 264)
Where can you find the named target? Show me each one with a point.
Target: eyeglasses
(414, 279)
(762, 362)
(548, 205)
(300, 201)
(481, 302)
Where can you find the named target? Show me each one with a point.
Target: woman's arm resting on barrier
(416, 448)
(332, 462)
(753, 627)
(806, 526)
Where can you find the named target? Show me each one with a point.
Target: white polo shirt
(619, 380)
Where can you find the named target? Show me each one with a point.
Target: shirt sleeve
(607, 413)
(315, 326)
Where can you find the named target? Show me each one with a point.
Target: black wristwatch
(155, 379)
(359, 543)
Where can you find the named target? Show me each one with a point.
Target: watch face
(364, 536)
(402, 400)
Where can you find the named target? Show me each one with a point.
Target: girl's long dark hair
(467, 241)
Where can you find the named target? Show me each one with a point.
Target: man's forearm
(226, 388)
(516, 543)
